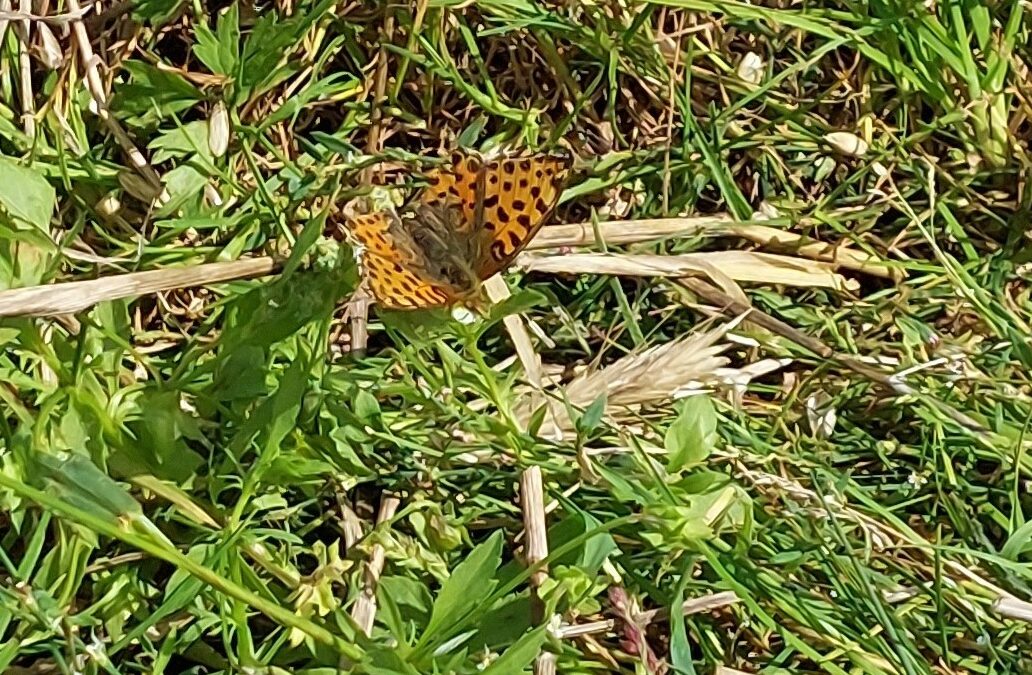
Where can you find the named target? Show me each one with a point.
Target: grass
(781, 426)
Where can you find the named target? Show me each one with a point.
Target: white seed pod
(218, 130)
(847, 143)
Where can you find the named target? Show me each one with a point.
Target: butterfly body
(448, 248)
(469, 223)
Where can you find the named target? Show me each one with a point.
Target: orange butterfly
(466, 225)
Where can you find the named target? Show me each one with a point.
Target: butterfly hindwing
(393, 268)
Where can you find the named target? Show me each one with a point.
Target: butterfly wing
(394, 267)
(505, 200)
(460, 184)
(520, 193)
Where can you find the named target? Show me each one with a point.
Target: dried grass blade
(75, 296)
(619, 232)
(738, 265)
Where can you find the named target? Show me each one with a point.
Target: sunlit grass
(211, 479)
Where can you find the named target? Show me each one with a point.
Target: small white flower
(751, 68)
(916, 479)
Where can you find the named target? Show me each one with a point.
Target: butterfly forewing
(505, 200)
(519, 194)
(458, 184)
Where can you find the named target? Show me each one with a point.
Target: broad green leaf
(468, 586)
(155, 93)
(161, 429)
(517, 657)
(691, 437)
(25, 195)
(182, 141)
(78, 481)
(184, 184)
(592, 553)
(504, 623)
(220, 52)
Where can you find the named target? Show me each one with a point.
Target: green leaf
(25, 195)
(519, 656)
(408, 595)
(691, 437)
(680, 650)
(240, 374)
(366, 407)
(592, 553)
(161, 431)
(335, 86)
(184, 184)
(385, 661)
(261, 60)
(1019, 543)
(220, 52)
(306, 240)
(279, 412)
(182, 141)
(78, 481)
(592, 416)
(155, 93)
(468, 586)
(504, 623)
(156, 12)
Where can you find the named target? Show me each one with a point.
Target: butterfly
(469, 223)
